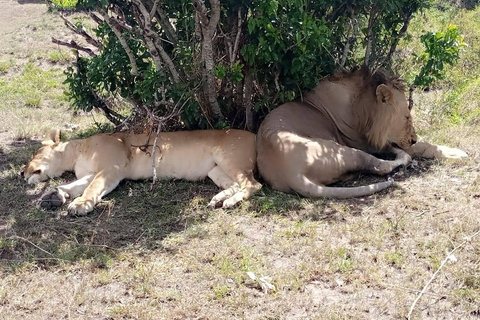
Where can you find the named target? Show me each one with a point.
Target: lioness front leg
(102, 184)
(431, 151)
(57, 197)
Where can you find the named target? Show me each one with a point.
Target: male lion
(306, 144)
(101, 161)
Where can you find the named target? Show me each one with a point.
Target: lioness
(306, 144)
(101, 161)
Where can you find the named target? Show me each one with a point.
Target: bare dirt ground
(163, 255)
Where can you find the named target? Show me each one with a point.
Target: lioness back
(191, 154)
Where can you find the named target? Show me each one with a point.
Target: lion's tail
(309, 189)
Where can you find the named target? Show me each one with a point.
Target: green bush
(458, 84)
(227, 63)
(63, 4)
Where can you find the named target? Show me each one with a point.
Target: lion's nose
(22, 175)
(413, 141)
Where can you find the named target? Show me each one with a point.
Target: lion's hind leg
(332, 162)
(233, 192)
(222, 180)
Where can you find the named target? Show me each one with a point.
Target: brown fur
(306, 144)
(101, 161)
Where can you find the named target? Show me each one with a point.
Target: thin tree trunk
(352, 37)
(396, 38)
(371, 22)
(247, 101)
(209, 27)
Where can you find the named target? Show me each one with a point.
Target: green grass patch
(462, 103)
(60, 57)
(5, 65)
(64, 4)
(32, 86)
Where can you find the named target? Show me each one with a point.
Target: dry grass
(163, 255)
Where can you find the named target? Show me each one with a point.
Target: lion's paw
(444, 152)
(233, 200)
(80, 207)
(223, 197)
(53, 200)
(214, 204)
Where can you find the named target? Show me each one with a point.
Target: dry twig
(33, 244)
(412, 307)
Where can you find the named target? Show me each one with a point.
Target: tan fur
(306, 144)
(101, 161)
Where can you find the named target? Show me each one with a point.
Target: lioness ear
(53, 136)
(384, 94)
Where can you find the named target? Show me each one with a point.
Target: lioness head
(45, 162)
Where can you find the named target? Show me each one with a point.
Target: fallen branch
(33, 244)
(468, 239)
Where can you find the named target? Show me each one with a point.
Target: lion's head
(45, 162)
(385, 112)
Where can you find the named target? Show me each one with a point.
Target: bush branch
(237, 37)
(123, 42)
(72, 44)
(154, 43)
(111, 115)
(352, 36)
(80, 31)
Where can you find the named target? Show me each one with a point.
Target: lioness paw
(53, 200)
(80, 207)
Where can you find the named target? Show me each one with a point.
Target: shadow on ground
(30, 1)
(133, 216)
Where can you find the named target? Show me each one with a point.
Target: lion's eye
(37, 171)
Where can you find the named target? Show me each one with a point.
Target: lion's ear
(384, 94)
(53, 137)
